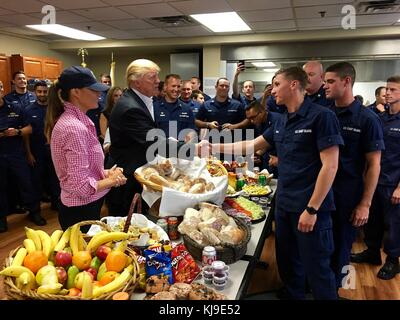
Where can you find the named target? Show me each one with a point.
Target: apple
(62, 275)
(102, 252)
(92, 272)
(63, 259)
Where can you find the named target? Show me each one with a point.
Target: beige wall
(15, 45)
(101, 64)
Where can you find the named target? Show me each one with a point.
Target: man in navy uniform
(186, 97)
(315, 87)
(196, 84)
(170, 112)
(306, 139)
(248, 88)
(13, 126)
(38, 154)
(359, 162)
(385, 210)
(20, 96)
(221, 112)
(380, 105)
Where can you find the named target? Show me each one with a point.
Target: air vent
(172, 21)
(377, 7)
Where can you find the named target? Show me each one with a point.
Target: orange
(82, 260)
(108, 277)
(116, 261)
(74, 292)
(121, 296)
(35, 260)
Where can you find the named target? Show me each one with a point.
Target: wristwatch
(19, 132)
(311, 210)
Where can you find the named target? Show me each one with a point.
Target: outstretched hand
(203, 149)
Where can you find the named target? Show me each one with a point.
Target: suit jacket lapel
(141, 104)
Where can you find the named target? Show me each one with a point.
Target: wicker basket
(227, 253)
(14, 293)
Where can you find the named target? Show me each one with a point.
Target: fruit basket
(23, 282)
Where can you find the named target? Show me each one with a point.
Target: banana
(55, 237)
(64, 240)
(29, 245)
(87, 286)
(46, 242)
(19, 257)
(50, 288)
(25, 282)
(114, 285)
(16, 271)
(82, 243)
(95, 242)
(74, 238)
(31, 234)
(97, 235)
(121, 246)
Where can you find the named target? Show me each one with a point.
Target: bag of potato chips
(184, 268)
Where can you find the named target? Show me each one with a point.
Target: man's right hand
(273, 161)
(203, 149)
(380, 107)
(213, 125)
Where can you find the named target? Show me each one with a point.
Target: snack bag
(158, 263)
(184, 268)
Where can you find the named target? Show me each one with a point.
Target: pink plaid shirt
(77, 157)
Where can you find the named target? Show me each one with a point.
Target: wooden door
(5, 73)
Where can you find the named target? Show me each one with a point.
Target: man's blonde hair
(138, 68)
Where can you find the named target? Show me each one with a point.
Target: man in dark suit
(131, 120)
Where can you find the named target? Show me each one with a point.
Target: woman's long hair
(110, 101)
(55, 108)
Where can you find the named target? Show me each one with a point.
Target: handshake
(203, 149)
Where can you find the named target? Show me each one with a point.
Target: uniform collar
(305, 106)
(320, 93)
(388, 116)
(220, 104)
(74, 110)
(354, 107)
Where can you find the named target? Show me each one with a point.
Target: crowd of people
(80, 141)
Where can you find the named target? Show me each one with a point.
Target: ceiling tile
(319, 23)
(152, 10)
(301, 3)
(190, 31)
(379, 19)
(129, 24)
(128, 2)
(5, 12)
(201, 6)
(93, 26)
(269, 15)
(78, 4)
(152, 33)
(314, 11)
(272, 25)
(101, 14)
(62, 17)
(117, 34)
(244, 5)
(22, 6)
(20, 19)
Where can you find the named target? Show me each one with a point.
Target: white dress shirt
(147, 101)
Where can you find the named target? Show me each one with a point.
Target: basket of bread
(180, 184)
(210, 225)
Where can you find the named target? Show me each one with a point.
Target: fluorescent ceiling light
(264, 64)
(65, 31)
(222, 22)
(271, 70)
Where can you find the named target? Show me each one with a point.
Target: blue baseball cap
(79, 77)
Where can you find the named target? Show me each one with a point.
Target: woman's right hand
(116, 175)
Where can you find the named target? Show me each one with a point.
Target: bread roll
(146, 173)
(210, 186)
(197, 188)
(235, 234)
(157, 179)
